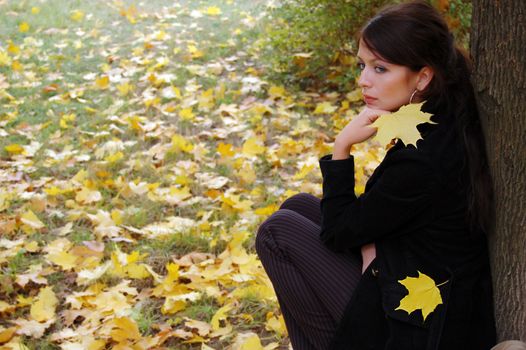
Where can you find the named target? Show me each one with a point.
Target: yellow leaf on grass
(124, 89)
(325, 108)
(252, 343)
(23, 27)
(14, 148)
(220, 314)
(123, 329)
(276, 324)
(179, 143)
(225, 149)
(17, 66)
(187, 114)
(276, 91)
(423, 295)
(77, 15)
(44, 307)
(6, 308)
(66, 120)
(13, 49)
(64, 259)
(304, 171)
(213, 11)
(102, 82)
(194, 51)
(401, 125)
(87, 195)
(5, 60)
(247, 174)
(251, 147)
(6, 334)
(171, 306)
(267, 210)
(115, 157)
(30, 219)
(4, 201)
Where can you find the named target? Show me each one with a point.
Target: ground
(142, 144)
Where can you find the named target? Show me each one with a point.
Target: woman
(424, 210)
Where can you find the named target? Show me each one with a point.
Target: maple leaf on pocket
(401, 125)
(423, 294)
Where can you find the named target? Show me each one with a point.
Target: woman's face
(384, 85)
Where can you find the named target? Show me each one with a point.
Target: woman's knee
(271, 229)
(297, 199)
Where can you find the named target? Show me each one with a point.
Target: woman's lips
(369, 99)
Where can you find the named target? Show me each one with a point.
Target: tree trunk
(498, 46)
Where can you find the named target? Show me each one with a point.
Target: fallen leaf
(423, 294)
(43, 309)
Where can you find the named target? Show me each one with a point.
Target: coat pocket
(413, 300)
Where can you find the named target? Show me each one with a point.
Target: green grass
(203, 309)
(59, 50)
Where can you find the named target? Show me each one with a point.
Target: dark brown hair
(414, 34)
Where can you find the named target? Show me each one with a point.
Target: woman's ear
(424, 78)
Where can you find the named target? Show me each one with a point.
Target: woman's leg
(313, 284)
(305, 204)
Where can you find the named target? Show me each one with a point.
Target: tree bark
(498, 46)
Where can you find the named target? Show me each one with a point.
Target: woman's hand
(358, 130)
(368, 255)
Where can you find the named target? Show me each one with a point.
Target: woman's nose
(364, 81)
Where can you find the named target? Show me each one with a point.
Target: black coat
(414, 209)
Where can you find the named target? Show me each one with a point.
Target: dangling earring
(412, 95)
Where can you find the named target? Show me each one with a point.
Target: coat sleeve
(400, 200)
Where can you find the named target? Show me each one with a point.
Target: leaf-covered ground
(141, 145)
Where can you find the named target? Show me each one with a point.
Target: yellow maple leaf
(401, 125)
(44, 307)
(13, 49)
(269, 209)
(276, 324)
(86, 195)
(220, 314)
(304, 171)
(66, 119)
(115, 157)
(251, 147)
(5, 60)
(30, 219)
(6, 334)
(23, 27)
(251, 343)
(17, 66)
(276, 91)
(194, 51)
(124, 328)
(325, 108)
(64, 259)
(124, 88)
(14, 148)
(423, 295)
(102, 82)
(77, 15)
(213, 11)
(172, 306)
(225, 149)
(179, 143)
(186, 114)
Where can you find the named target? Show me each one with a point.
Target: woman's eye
(361, 66)
(379, 69)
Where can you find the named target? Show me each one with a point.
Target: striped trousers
(313, 284)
